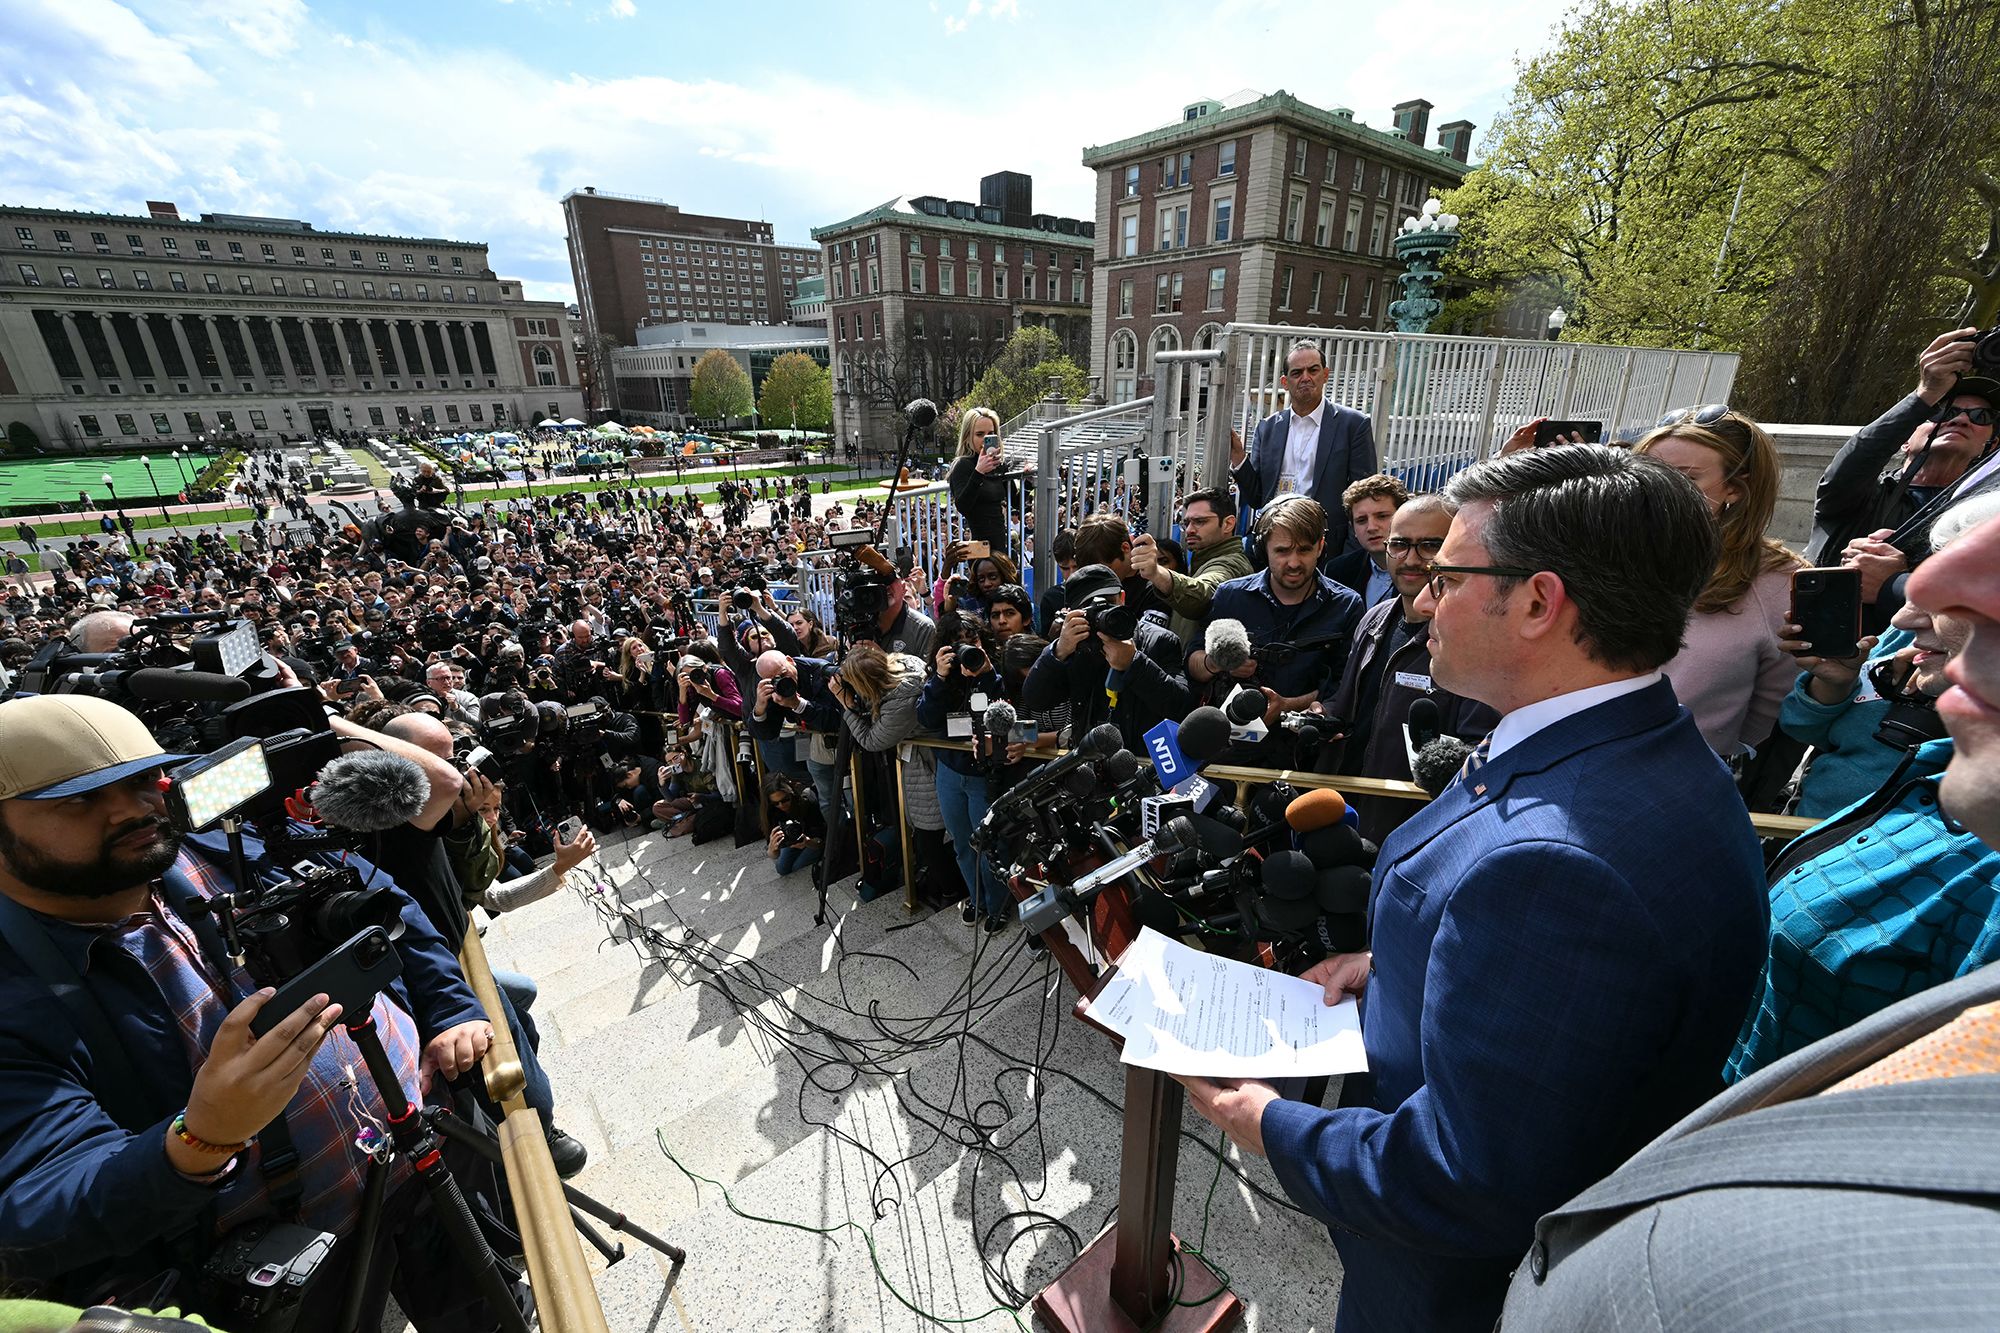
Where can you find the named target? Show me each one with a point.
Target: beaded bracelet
(179, 1130)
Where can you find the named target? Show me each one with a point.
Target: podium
(1125, 1280)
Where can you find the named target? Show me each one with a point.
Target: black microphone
(1226, 644)
(1426, 723)
(1289, 875)
(1246, 707)
(1203, 734)
(921, 413)
(1100, 741)
(1438, 762)
(170, 683)
(1119, 769)
(370, 791)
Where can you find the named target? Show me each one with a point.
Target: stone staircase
(896, 1086)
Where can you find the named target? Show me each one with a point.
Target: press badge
(1410, 680)
(958, 727)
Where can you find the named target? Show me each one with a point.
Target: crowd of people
(1574, 944)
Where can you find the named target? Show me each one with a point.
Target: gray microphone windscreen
(370, 791)
(999, 719)
(1438, 763)
(1121, 768)
(1226, 644)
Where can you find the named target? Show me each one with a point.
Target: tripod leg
(364, 1240)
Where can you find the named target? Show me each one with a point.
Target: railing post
(1048, 481)
(1494, 379)
(1385, 389)
(1617, 422)
(1569, 379)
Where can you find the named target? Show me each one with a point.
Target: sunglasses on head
(1701, 416)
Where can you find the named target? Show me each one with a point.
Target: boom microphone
(1438, 763)
(998, 721)
(1226, 645)
(921, 413)
(370, 791)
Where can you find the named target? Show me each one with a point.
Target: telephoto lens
(973, 658)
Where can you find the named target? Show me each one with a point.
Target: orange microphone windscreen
(1315, 809)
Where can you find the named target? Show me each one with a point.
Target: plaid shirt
(319, 1118)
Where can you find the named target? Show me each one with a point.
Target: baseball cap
(62, 744)
(1088, 582)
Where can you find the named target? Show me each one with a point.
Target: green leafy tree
(797, 386)
(21, 437)
(1031, 365)
(1663, 168)
(721, 389)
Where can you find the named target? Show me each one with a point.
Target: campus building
(1262, 211)
(135, 330)
(922, 292)
(655, 378)
(640, 262)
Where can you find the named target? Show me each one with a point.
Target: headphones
(1260, 531)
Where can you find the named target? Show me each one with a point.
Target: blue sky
(471, 118)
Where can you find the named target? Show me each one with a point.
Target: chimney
(161, 211)
(1413, 120)
(1455, 138)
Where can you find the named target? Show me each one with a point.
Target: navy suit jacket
(1564, 949)
(1346, 454)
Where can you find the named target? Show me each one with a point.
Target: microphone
(1425, 722)
(1100, 741)
(921, 413)
(370, 791)
(998, 720)
(1245, 711)
(169, 684)
(1119, 769)
(1338, 844)
(1290, 876)
(1204, 734)
(1226, 644)
(1317, 809)
(1438, 763)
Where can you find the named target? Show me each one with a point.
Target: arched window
(543, 357)
(1208, 337)
(1166, 338)
(1124, 351)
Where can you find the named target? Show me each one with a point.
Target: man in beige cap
(140, 1117)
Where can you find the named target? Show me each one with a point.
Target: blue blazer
(1564, 949)
(1346, 454)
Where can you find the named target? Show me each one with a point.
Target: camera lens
(973, 658)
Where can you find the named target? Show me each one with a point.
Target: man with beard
(140, 1118)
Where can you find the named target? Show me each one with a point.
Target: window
(1162, 288)
(1075, 286)
(839, 286)
(104, 278)
(1360, 174)
(1225, 210)
(1132, 182)
(126, 424)
(1323, 233)
(1375, 228)
(1226, 160)
(68, 276)
(1351, 238)
(1163, 234)
(212, 282)
(947, 279)
(1028, 285)
(916, 244)
(409, 261)
(339, 286)
(916, 323)
(26, 236)
(375, 416)
(478, 412)
(1298, 157)
(1332, 163)
(244, 285)
(1218, 278)
(1166, 338)
(916, 275)
(451, 413)
(136, 244)
(876, 321)
(1319, 281)
(1178, 226)
(1129, 237)
(999, 284)
(142, 280)
(1368, 298)
(103, 242)
(1382, 183)
(326, 254)
(201, 247)
(1285, 289)
(445, 291)
(645, 244)
(1125, 298)
(472, 293)
(381, 259)
(1166, 171)
(226, 420)
(423, 291)
(1187, 168)
(162, 424)
(90, 426)
(62, 240)
(278, 286)
(29, 277)
(178, 281)
(1295, 208)
(396, 291)
(270, 254)
(367, 289)
(432, 260)
(256, 419)
(458, 266)
(944, 246)
(1124, 351)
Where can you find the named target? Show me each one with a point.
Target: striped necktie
(1473, 762)
(1969, 1044)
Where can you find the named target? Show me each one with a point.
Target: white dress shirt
(1524, 722)
(1295, 473)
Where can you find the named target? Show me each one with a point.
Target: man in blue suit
(1565, 940)
(1313, 447)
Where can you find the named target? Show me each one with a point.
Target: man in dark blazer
(1554, 982)
(1312, 447)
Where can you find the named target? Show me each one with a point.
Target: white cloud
(624, 9)
(953, 26)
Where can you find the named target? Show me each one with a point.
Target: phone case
(1826, 606)
(351, 977)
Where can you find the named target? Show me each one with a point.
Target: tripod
(417, 1140)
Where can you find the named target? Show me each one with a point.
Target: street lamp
(180, 461)
(1557, 318)
(154, 482)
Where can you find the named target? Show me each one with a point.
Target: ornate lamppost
(1420, 245)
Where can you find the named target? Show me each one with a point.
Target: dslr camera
(1107, 615)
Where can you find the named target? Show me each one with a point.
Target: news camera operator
(141, 1120)
(1289, 602)
(955, 703)
(1108, 665)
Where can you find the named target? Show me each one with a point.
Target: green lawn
(56, 481)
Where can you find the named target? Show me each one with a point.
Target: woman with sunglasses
(1730, 672)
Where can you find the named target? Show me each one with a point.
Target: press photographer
(143, 1120)
(1107, 664)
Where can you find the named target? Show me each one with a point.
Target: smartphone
(1025, 731)
(1551, 431)
(350, 687)
(1826, 606)
(992, 445)
(978, 550)
(351, 976)
(567, 830)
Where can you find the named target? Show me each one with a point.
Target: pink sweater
(1730, 674)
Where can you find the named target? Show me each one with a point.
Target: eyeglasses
(1978, 416)
(1436, 574)
(1700, 416)
(1425, 546)
(1303, 372)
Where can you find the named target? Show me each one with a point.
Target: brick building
(164, 329)
(922, 292)
(643, 261)
(1269, 211)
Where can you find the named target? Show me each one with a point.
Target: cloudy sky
(470, 119)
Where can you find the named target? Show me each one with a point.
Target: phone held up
(1555, 432)
(1826, 606)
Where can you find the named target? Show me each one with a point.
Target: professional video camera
(861, 579)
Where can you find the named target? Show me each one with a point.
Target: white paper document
(1187, 1012)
